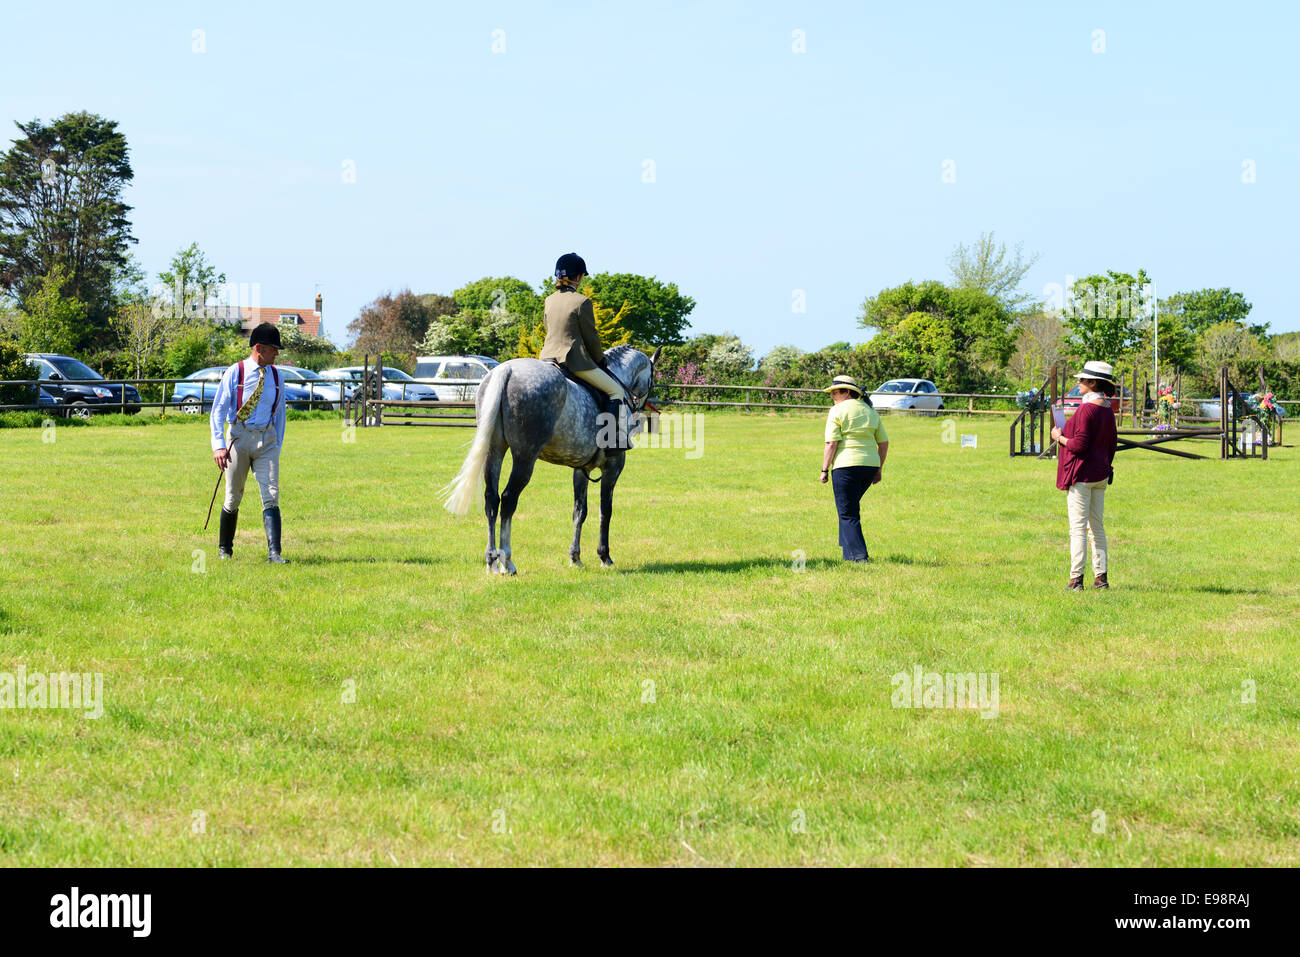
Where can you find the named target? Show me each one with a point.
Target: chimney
(320, 311)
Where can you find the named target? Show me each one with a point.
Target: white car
(900, 395)
(397, 384)
(469, 370)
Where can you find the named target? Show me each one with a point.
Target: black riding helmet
(570, 266)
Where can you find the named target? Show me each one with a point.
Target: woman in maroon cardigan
(1083, 469)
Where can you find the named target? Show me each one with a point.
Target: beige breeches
(258, 449)
(602, 381)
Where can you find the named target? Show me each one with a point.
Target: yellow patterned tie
(247, 409)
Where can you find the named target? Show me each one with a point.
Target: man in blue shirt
(250, 399)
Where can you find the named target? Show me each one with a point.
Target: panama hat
(844, 382)
(1101, 371)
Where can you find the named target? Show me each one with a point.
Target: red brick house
(307, 321)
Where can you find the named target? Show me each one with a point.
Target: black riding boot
(271, 519)
(618, 409)
(226, 538)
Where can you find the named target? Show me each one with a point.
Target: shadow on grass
(1226, 590)
(909, 560)
(740, 565)
(352, 560)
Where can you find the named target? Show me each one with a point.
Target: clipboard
(1058, 416)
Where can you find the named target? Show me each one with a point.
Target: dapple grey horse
(530, 408)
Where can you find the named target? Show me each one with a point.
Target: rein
(647, 404)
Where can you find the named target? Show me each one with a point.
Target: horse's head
(635, 370)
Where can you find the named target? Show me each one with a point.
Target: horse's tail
(458, 496)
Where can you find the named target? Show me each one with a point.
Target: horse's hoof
(575, 563)
(509, 568)
(607, 563)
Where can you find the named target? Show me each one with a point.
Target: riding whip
(214, 499)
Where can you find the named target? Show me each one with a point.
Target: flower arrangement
(1033, 401)
(1166, 405)
(1264, 407)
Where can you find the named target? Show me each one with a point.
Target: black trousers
(850, 484)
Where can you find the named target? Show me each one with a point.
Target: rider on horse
(573, 342)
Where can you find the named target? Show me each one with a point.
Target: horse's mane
(620, 355)
(628, 362)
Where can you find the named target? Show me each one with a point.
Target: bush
(14, 366)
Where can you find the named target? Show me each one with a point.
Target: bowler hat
(265, 334)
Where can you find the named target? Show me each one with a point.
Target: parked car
(397, 384)
(47, 401)
(467, 369)
(1070, 401)
(195, 393)
(59, 377)
(918, 395)
(1212, 408)
(333, 391)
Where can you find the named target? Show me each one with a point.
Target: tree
(196, 345)
(61, 210)
(781, 358)
(1231, 344)
(1040, 344)
(300, 349)
(1286, 346)
(481, 332)
(1105, 313)
(142, 332)
(1202, 308)
(985, 267)
(730, 357)
(492, 317)
(51, 321)
(504, 294)
(11, 321)
(189, 289)
(392, 323)
(656, 311)
(1178, 347)
(14, 367)
(959, 338)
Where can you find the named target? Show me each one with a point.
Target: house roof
(308, 319)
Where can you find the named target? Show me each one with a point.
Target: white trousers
(1084, 503)
(602, 381)
(258, 449)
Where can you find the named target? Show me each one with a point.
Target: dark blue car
(77, 385)
(194, 393)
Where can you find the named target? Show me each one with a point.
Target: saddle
(601, 399)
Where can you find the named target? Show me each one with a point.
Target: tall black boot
(226, 537)
(618, 409)
(271, 519)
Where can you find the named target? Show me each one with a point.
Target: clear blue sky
(774, 170)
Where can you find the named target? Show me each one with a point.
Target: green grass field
(705, 703)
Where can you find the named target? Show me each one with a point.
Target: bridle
(644, 404)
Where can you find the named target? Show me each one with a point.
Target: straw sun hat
(844, 382)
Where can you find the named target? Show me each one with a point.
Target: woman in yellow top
(856, 446)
